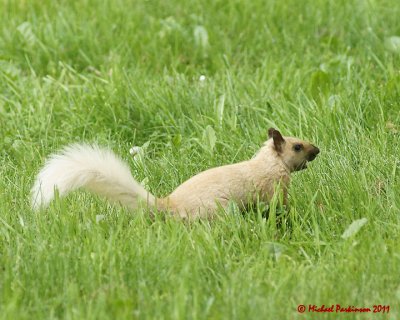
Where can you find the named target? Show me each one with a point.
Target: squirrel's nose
(313, 154)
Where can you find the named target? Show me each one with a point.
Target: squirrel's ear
(277, 137)
(270, 132)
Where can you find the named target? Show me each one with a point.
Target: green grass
(123, 73)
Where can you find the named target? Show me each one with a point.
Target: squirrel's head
(294, 152)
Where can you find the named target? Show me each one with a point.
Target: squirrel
(102, 172)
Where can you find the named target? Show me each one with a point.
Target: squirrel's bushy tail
(93, 168)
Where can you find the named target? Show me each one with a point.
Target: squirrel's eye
(297, 147)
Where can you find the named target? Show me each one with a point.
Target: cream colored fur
(102, 172)
(98, 170)
(242, 183)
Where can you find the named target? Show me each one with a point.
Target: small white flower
(202, 77)
(134, 150)
(393, 44)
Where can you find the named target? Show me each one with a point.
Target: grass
(123, 73)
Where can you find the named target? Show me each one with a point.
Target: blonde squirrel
(102, 172)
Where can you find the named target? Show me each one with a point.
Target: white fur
(97, 170)
(100, 171)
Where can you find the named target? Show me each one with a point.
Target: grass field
(124, 73)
